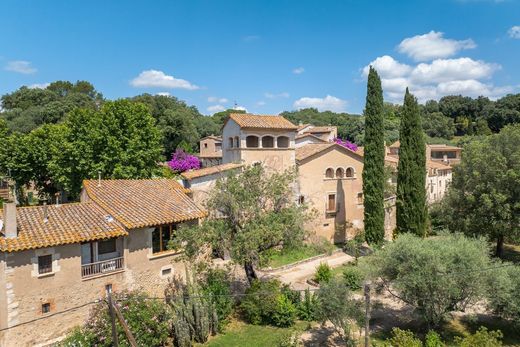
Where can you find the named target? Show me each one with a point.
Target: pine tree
(411, 171)
(374, 161)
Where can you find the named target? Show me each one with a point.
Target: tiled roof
(245, 120)
(436, 165)
(210, 170)
(144, 202)
(311, 149)
(66, 223)
(396, 144)
(323, 129)
(444, 147)
(302, 126)
(301, 136)
(218, 138)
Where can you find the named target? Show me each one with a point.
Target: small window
(45, 264)
(282, 142)
(252, 141)
(329, 173)
(339, 173)
(230, 142)
(237, 142)
(46, 308)
(205, 145)
(360, 198)
(166, 272)
(267, 142)
(107, 246)
(218, 146)
(331, 203)
(161, 236)
(349, 172)
(301, 200)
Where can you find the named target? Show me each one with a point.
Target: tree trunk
(250, 272)
(500, 246)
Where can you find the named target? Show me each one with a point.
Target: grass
(292, 255)
(512, 253)
(240, 334)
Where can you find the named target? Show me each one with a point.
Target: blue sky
(267, 56)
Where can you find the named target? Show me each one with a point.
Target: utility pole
(115, 342)
(367, 314)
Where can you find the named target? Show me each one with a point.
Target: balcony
(102, 267)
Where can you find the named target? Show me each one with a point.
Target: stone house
(441, 153)
(210, 151)
(56, 258)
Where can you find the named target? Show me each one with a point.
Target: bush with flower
(182, 161)
(346, 143)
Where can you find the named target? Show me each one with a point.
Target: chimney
(99, 179)
(45, 212)
(10, 226)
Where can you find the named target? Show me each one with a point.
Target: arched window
(329, 173)
(349, 172)
(282, 142)
(252, 141)
(267, 141)
(230, 142)
(237, 142)
(339, 173)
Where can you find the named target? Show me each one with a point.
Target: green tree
(433, 275)
(411, 171)
(503, 296)
(437, 125)
(260, 215)
(484, 196)
(374, 161)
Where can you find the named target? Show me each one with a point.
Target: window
(161, 236)
(267, 142)
(166, 272)
(252, 141)
(301, 200)
(282, 142)
(44, 264)
(205, 145)
(329, 173)
(331, 202)
(431, 185)
(360, 198)
(230, 142)
(339, 173)
(218, 146)
(107, 246)
(349, 172)
(46, 308)
(237, 142)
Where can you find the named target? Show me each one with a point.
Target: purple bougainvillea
(182, 161)
(346, 143)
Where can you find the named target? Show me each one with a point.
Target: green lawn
(240, 334)
(292, 255)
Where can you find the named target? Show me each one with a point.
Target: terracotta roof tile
(245, 120)
(436, 165)
(320, 129)
(311, 149)
(66, 223)
(210, 170)
(301, 136)
(145, 202)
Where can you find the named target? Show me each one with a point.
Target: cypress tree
(374, 162)
(411, 171)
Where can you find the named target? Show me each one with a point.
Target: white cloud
(260, 103)
(438, 78)
(328, 103)
(432, 45)
(219, 100)
(240, 108)
(216, 108)
(39, 85)
(158, 79)
(20, 66)
(514, 32)
(298, 70)
(163, 94)
(274, 96)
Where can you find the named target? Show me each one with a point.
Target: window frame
(328, 209)
(163, 246)
(45, 268)
(331, 171)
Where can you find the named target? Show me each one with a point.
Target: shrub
(293, 295)
(290, 339)
(353, 278)
(503, 296)
(217, 286)
(482, 338)
(285, 312)
(147, 320)
(323, 273)
(404, 338)
(265, 303)
(307, 307)
(433, 339)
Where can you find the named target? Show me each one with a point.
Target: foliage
(482, 338)
(437, 125)
(323, 273)
(404, 338)
(434, 275)
(374, 161)
(290, 339)
(261, 215)
(353, 278)
(194, 316)
(346, 143)
(411, 210)
(216, 285)
(147, 319)
(265, 303)
(307, 307)
(484, 196)
(503, 296)
(336, 305)
(182, 161)
(433, 339)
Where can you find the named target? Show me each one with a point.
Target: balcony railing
(102, 267)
